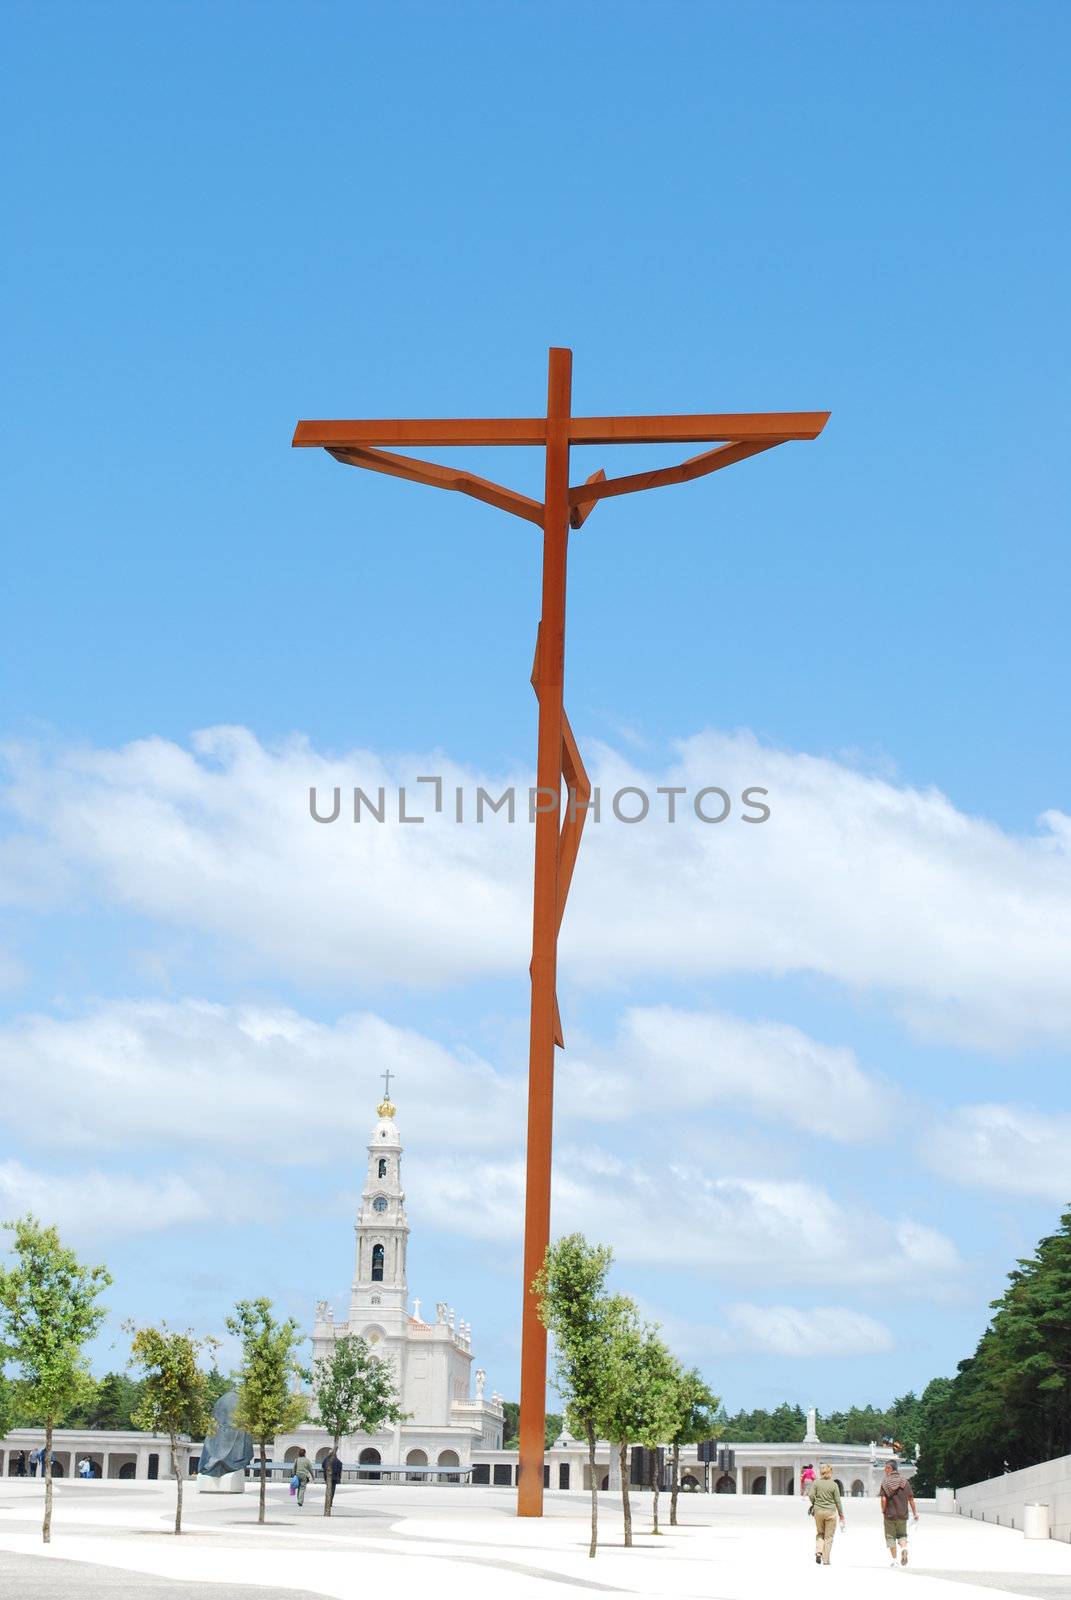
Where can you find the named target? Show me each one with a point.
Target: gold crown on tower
(385, 1109)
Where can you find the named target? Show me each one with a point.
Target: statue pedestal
(226, 1483)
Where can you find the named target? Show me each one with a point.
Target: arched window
(377, 1263)
(382, 1166)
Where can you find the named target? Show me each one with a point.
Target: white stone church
(446, 1423)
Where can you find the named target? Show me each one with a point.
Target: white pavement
(402, 1540)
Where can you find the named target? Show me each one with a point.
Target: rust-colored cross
(360, 444)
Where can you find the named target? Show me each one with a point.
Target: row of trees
(618, 1378)
(511, 1424)
(50, 1308)
(858, 1425)
(113, 1400)
(1008, 1406)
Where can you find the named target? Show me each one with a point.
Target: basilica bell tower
(380, 1293)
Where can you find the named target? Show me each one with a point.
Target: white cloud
(265, 1079)
(798, 1332)
(1003, 1148)
(88, 1204)
(268, 1086)
(679, 1219)
(801, 1332)
(965, 929)
(260, 1080)
(675, 1060)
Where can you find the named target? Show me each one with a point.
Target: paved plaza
(113, 1538)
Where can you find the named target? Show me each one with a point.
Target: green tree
(638, 1399)
(356, 1392)
(50, 1307)
(110, 1404)
(785, 1425)
(8, 1412)
(174, 1395)
(694, 1412)
(931, 1471)
(267, 1404)
(1009, 1405)
(217, 1385)
(582, 1318)
(552, 1426)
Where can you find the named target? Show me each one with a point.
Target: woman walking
(303, 1474)
(825, 1503)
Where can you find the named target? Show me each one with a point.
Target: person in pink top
(806, 1477)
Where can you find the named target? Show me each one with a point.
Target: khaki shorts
(895, 1528)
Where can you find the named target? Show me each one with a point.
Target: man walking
(896, 1497)
(332, 1475)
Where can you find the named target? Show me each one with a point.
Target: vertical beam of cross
(549, 679)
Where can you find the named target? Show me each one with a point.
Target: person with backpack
(303, 1474)
(896, 1497)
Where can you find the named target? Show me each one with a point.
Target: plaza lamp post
(372, 444)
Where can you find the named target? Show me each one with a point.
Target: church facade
(448, 1417)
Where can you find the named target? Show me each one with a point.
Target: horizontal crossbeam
(698, 429)
(772, 425)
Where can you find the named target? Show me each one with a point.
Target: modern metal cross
(359, 444)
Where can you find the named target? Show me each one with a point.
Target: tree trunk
(594, 1491)
(626, 1505)
(654, 1489)
(675, 1488)
(46, 1526)
(263, 1476)
(178, 1484)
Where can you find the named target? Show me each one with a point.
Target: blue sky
(223, 218)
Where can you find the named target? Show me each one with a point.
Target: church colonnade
(113, 1455)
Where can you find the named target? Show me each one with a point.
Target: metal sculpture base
(226, 1483)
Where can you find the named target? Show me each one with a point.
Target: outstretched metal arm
(726, 455)
(436, 477)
